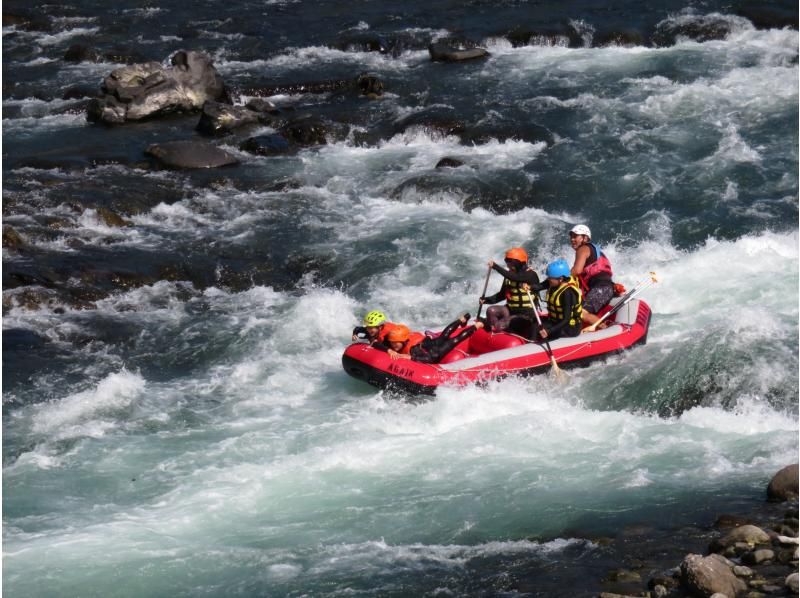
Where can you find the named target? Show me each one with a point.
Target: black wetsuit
(558, 328)
(433, 349)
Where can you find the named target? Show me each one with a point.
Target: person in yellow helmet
(375, 329)
(517, 314)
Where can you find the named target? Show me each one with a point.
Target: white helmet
(581, 229)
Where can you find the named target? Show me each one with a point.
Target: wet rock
(745, 536)
(364, 84)
(793, 583)
(704, 576)
(111, 218)
(266, 145)
(262, 105)
(190, 154)
(505, 130)
(305, 131)
(363, 42)
(742, 571)
(221, 119)
(623, 576)
(27, 22)
(757, 557)
(12, 239)
(454, 49)
(698, 28)
(565, 38)
(370, 86)
(434, 122)
(660, 591)
(81, 53)
(784, 484)
(149, 89)
(448, 162)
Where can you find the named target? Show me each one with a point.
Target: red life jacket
(600, 265)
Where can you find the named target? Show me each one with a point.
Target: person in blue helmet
(564, 299)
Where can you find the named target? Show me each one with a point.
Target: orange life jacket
(414, 339)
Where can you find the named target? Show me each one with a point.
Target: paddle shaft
(483, 294)
(535, 304)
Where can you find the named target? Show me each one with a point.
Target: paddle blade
(560, 375)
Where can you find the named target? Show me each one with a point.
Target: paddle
(559, 373)
(485, 286)
(647, 282)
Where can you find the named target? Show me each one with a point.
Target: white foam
(76, 415)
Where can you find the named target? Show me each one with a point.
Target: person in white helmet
(593, 270)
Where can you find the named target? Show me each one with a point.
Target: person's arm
(569, 299)
(528, 276)
(497, 297)
(582, 254)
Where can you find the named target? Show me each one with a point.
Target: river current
(176, 420)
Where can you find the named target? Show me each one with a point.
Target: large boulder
(706, 576)
(148, 89)
(190, 154)
(784, 484)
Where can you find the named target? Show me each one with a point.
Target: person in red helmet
(593, 271)
(517, 314)
(402, 343)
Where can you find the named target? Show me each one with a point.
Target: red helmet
(399, 334)
(517, 253)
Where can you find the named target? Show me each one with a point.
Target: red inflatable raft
(486, 356)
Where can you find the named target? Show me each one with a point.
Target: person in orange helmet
(517, 314)
(402, 343)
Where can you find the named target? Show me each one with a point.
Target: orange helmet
(399, 334)
(517, 253)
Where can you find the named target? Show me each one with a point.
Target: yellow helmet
(374, 318)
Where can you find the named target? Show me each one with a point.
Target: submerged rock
(190, 154)
(12, 239)
(748, 535)
(266, 145)
(148, 89)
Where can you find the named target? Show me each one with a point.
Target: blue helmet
(558, 269)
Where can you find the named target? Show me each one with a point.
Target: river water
(191, 431)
